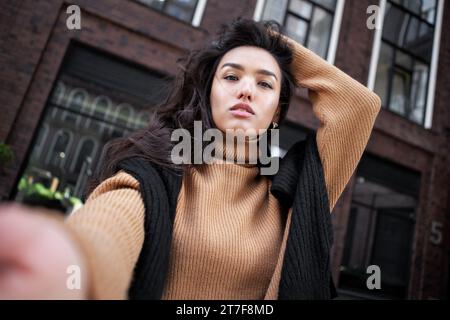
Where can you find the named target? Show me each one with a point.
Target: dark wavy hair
(189, 97)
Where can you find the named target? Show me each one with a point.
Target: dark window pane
(392, 246)
(413, 5)
(305, 21)
(425, 44)
(384, 67)
(296, 29)
(320, 31)
(395, 23)
(156, 4)
(380, 229)
(302, 8)
(76, 101)
(142, 120)
(86, 151)
(419, 92)
(181, 9)
(330, 4)
(412, 33)
(59, 151)
(425, 9)
(403, 60)
(101, 107)
(400, 92)
(275, 10)
(124, 114)
(419, 39)
(429, 10)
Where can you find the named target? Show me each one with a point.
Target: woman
(154, 229)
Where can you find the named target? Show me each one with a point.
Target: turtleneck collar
(239, 152)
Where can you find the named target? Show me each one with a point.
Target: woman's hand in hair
(39, 259)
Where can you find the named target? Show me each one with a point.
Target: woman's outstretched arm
(346, 110)
(110, 229)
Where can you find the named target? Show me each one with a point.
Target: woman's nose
(246, 90)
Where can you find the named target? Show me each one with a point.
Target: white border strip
(198, 15)
(434, 65)
(376, 47)
(335, 29)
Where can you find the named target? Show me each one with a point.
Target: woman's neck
(241, 151)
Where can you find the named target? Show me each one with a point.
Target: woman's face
(246, 88)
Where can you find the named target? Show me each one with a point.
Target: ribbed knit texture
(227, 235)
(246, 225)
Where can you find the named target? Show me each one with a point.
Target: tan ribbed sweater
(229, 235)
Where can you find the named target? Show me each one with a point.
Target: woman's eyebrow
(239, 67)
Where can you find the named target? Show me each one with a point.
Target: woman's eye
(233, 78)
(266, 84)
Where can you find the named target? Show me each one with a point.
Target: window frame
(66, 149)
(431, 88)
(403, 182)
(196, 16)
(335, 26)
(78, 151)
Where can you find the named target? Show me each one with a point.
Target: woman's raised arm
(346, 110)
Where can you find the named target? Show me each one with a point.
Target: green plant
(39, 190)
(6, 154)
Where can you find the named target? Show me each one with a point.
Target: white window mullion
(334, 39)
(376, 47)
(198, 14)
(259, 10)
(434, 65)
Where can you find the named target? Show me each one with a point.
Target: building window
(40, 140)
(86, 149)
(60, 147)
(125, 115)
(76, 101)
(185, 10)
(405, 57)
(89, 105)
(380, 229)
(309, 22)
(142, 120)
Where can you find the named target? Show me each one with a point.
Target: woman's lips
(242, 110)
(241, 113)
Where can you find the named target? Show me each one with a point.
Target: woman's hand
(38, 257)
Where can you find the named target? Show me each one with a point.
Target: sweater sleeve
(110, 230)
(346, 110)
